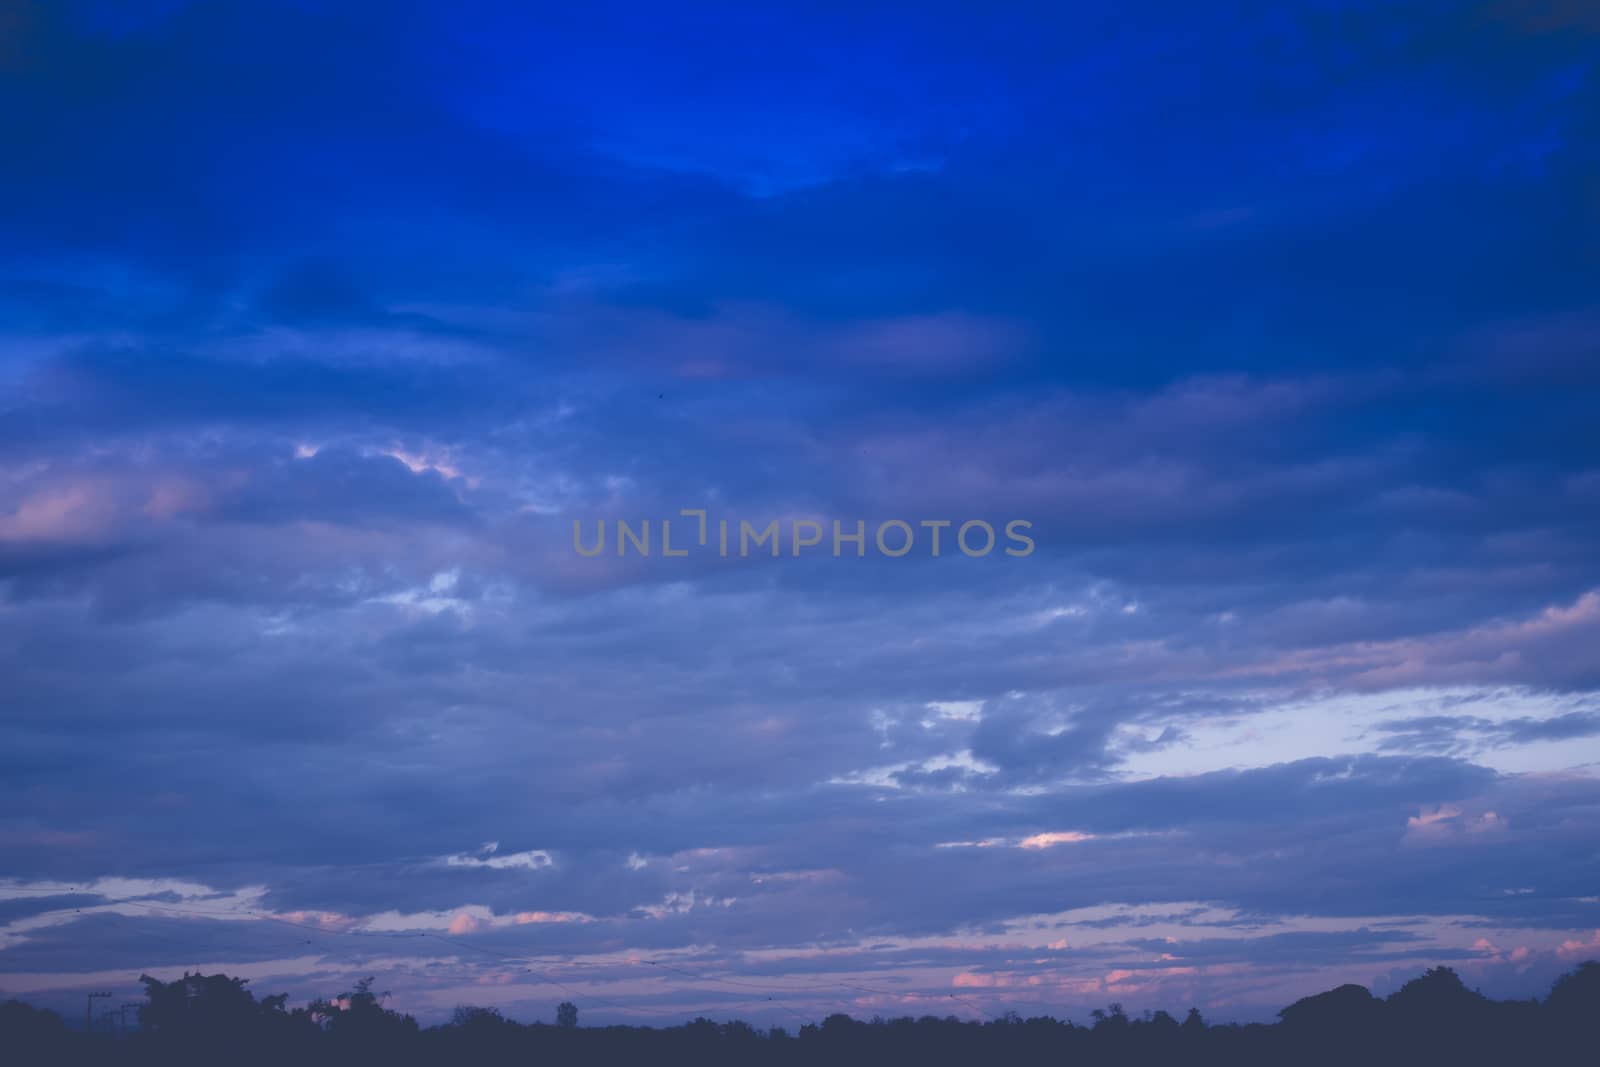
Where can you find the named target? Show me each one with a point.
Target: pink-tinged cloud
(465, 923)
(326, 920)
(88, 509)
(171, 497)
(1555, 642)
(967, 980)
(1053, 838)
(528, 918)
(1448, 821)
(1576, 947)
(73, 513)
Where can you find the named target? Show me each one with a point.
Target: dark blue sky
(320, 324)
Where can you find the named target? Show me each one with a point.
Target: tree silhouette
(1577, 993)
(1435, 1018)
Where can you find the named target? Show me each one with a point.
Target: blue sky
(320, 324)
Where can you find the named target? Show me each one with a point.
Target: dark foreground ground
(1436, 1019)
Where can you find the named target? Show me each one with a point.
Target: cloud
(530, 860)
(1052, 838)
(296, 419)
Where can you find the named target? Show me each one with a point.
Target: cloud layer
(323, 327)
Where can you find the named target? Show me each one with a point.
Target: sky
(322, 324)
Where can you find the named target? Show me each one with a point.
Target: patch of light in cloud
(1053, 838)
(488, 856)
(1363, 723)
(971, 710)
(433, 598)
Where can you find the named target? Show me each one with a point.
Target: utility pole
(123, 1012)
(88, 1011)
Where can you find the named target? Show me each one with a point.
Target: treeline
(1433, 1019)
